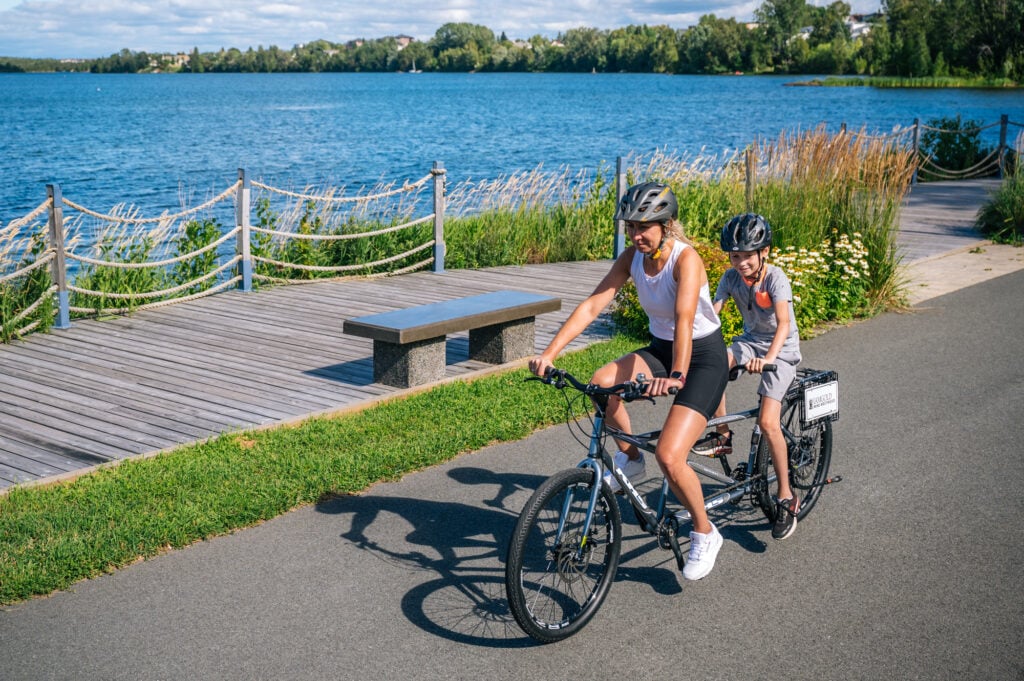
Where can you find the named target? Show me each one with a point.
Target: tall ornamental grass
(25, 305)
(1002, 218)
(530, 217)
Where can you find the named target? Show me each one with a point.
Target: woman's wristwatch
(678, 375)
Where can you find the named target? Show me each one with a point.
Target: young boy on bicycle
(763, 294)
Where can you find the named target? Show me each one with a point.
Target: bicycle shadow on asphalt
(465, 546)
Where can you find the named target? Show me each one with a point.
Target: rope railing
(27, 219)
(158, 263)
(150, 306)
(961, 131)
(162, 292)
(34, 306)
(330, 198)
(378, 275)
(881, 138)
(984, 167)
(343, 268)
(343, 237)
(226, 258)
(45, 258)
(160, 219)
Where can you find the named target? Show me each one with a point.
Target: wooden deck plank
(42, 452)
(74, 387)
(40, 393)
(212, 408)
(122, 368)
(249, 374)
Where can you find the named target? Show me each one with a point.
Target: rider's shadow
(465, 546)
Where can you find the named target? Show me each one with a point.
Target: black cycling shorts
(706, 376)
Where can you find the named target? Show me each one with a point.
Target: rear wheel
(810, 454)
(556, 576)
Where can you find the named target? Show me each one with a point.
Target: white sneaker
(703, 551)
(633, 468)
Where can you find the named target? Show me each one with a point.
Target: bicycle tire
(809, 460)
(552, 590)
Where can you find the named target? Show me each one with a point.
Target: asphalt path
(911, 568)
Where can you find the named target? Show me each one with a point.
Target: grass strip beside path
(52, 536)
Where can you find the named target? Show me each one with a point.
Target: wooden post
(59, 267)
(619, 244)
(243, 247)
(751, 163)
(1003, 121)
(917, 148)
(439, 182)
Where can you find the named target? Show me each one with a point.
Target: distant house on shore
(403, 41)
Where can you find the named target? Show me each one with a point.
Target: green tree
(829, 23)
(714, 46)
(463, 46)
(877, 49)
(664, 55)
(780, 21)
(586, 49)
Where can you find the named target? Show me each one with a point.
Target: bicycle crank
(668, 537)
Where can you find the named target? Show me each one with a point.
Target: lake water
(146, 140)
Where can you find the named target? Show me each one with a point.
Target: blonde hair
(674, 228)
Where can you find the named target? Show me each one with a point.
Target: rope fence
(135, 268)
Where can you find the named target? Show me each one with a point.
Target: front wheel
(556, 576)
(810, 454)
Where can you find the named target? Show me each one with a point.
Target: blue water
(147, 140)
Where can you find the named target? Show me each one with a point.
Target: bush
(1002, 218)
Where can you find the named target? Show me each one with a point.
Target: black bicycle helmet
(747, 232)
(648, 202)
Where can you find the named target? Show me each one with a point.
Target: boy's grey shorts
(773, 385)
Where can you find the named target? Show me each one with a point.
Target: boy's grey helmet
(648, 202)
(747, 232)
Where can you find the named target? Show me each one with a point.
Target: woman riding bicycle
(686, 353)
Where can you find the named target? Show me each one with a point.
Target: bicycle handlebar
(735, 372)
(628, 391)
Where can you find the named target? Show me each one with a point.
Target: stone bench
(409, 344)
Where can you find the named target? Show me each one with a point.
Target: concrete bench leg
(502, 343)
(409, 364)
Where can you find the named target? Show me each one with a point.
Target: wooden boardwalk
(109, 389)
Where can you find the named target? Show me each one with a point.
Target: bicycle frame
(654, 519)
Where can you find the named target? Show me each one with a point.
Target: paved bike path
(910, 568)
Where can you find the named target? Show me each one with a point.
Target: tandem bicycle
(564, 551)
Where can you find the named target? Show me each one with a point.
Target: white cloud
(77, 28)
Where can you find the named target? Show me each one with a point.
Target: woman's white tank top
(657, 296)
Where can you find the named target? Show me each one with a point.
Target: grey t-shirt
(759, 323)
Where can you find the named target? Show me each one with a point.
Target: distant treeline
(908, 38)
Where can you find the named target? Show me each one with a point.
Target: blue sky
(91, 28)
